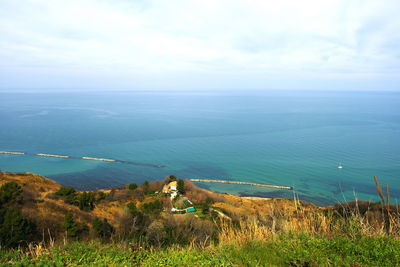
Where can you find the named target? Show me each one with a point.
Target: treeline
(84, 200)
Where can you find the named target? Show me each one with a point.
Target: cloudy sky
(206, 44)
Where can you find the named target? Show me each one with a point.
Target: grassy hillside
(135, 225)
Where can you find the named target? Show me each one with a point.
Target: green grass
(304, 250)
(284, 250)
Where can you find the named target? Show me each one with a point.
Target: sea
(289, 138)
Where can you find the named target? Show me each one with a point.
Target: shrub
(188, 229)
(68, 194)
(102, 229)
(156, 234)
(205, 206)
(131, 222)
(70, 226)
(100, 196)
(138, 194)
(169, 179)
(132, 186)
(146, 188)
(86, 201)
(152, 207)
(180, 186)
(132, 210)
(9, 192)
(65, 191)
(14, 228)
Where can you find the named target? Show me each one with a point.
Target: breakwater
(83, 158)
(242, 183)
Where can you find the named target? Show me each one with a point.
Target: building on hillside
(174, 194)
(170, 187)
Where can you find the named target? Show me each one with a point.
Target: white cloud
(131, 41)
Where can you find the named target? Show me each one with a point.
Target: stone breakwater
(84, 158)
(242, 183)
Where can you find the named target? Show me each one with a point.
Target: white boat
(340, 166)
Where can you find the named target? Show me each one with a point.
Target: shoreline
(206, 190)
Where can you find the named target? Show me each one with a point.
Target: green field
(284, 250)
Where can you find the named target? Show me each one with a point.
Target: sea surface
(290, 138)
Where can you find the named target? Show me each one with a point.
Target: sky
(206, 44)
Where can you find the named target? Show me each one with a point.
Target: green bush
(135, 222)
(70, 226)
(9, 192)
(15, 230)
(152, 207)
(102, 229)
(86, 200)
(68, 194)
(132, 186)
(169, 179)
(146, 188)
(100, 196)
(180, 186)
(156, 233)
(132, 209)
(65, 191)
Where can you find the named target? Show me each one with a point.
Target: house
(170, 187)
(174, 194)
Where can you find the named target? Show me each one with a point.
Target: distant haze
(185, 45)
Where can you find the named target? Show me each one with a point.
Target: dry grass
(315, 221)
(252, 219)
(32, 184)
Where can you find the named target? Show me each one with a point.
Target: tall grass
(285, 233)
(352, 220)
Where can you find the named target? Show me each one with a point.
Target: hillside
(135, 221)
(40, 204)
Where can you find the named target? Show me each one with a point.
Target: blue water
(293, 138)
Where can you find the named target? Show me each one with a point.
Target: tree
(146, 188)
(135, 220)
(156, 233)
(152, 207)
(180, 186)
(100, 196)
(170, 178)
(70, 226)
(135, 212)
(207, 204)
(132, 210)
(102, 229)
(65, 191)
(86, 201)
(68, 194)
(132, 186)
(15, 230)
(9, 192)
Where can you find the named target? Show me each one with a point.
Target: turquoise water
(292, 138)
